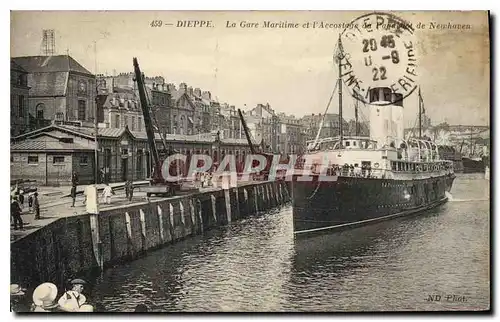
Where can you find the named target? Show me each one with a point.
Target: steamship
(371, 179)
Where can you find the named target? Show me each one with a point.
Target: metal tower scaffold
(48, 42)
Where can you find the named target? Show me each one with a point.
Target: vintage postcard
(250, 161)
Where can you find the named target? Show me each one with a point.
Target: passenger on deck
(357, 170)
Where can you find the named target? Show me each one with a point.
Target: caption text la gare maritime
(246, 24)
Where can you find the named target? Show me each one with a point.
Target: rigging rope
(315, 190)
(324, 114)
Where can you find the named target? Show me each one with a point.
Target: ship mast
(341, 132)
(356, 116)
(419, 114)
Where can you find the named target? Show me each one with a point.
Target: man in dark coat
(15, 212)
(36, 205)
(73, 195)
(74, 179)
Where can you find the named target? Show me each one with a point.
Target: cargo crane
(269, 156)
(158, 185)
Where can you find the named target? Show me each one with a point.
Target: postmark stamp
(379, 51)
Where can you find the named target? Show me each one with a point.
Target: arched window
(181, 124)
(39, 110)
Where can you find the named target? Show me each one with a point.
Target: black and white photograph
(250, 161)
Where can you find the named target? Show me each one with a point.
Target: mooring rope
(315, 190)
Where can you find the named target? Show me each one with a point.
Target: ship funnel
(386, 116)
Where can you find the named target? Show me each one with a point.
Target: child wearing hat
(44, 298)
(73, 300)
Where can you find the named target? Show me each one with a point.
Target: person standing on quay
(73, 195)
(15, 213)
(107, 193)
(74, 179)
(36, 205)
(127, 189)
(130, 190)
(74, 184)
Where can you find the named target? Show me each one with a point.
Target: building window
(125, 120)
(139, 123)
(81, 110)
(84, 159)
(58, 159)
(59, 116)
(21, 106)
(33, 159)
(139, 161)
(133, 124)
(117, 121)
(39, 111)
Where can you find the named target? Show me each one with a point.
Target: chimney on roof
(183, 88)
(206, 95)
(171, 87)
(190, 91)
(197, 92)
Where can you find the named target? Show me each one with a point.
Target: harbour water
(256, 265)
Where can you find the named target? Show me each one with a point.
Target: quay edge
(81, 245)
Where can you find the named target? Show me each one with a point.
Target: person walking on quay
(30, 201)
(73, 195)
(73, 300)
(103, 174)
(130, 190)
(44, 298)
(15, 213)
(74, 179)
(107, 193)
(17, 299)
(36, 205)
(21, 198)
(127, 189)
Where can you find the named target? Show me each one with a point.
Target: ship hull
(353, 201)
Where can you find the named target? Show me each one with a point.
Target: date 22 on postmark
(378, 50)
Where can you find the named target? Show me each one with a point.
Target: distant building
(50, 155)
(60, 89)
(231, 123)
(330, 128)
(19, 92)
(278, 133)
(121, 103)
(291, 138)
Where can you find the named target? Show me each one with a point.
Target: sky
(291, 69)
